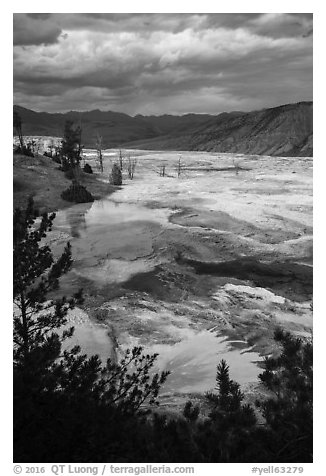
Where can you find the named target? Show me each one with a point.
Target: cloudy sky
(161, 63)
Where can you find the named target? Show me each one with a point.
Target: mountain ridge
(281, 130)
(285, 130)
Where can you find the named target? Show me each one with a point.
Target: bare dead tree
(236, 166)
(120, 160)
(83, 159)
(162, 170)
(19, 130)
(99, 145)
(80, 129)
(51, 147)
(179, 167)
(132, 162)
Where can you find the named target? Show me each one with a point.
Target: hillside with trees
(56, 178)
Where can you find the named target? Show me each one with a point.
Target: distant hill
(116, 128)
(281, 131)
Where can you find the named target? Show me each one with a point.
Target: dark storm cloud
(41, 16)
(155, 63)
(35, 29)
(308, 33)
(270, 24)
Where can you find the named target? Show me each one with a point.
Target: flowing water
(193, 362)
(112, 242)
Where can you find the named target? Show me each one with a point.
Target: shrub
(116, 175)
(26, 150)
(77, 193)
(88, 169)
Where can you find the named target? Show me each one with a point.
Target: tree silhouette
(70, 152)
(227, 434)
(289, 410)
(67, 406)
(116, 175)
(36, 273)
(99, 146)
(71, 144)
(17, 123)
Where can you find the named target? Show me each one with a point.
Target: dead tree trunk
(131, 167)
(98, 145)
(120, 160)
(179, 167)
(162, 170)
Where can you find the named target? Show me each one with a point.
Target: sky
(160, 63)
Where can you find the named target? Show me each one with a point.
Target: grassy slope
(40, 177)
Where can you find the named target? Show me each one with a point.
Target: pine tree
(67, 406)
(71, 144)
(70, 152)
(228, 431)
(36, 274)
(116, 175)
(289, 410)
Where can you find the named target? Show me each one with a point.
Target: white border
(316, 7)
